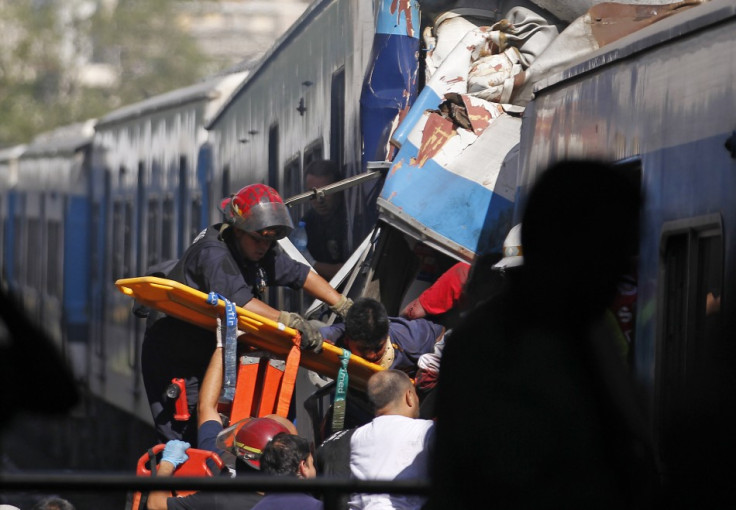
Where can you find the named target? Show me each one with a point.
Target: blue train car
(46, 250)
(662, 103)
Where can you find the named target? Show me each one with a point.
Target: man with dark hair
(288, 455)
(392, 342)
(326, 222)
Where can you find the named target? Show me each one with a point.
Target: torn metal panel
(484, 62)
(390, 85)
(601, 25)
(452, 188)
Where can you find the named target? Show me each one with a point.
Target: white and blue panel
(463, 196)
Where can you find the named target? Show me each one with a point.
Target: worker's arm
(321, 289)
(174, 455)
(257, 306)
(209, 392)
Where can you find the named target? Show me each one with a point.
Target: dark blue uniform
(410, 338)
(174, 348)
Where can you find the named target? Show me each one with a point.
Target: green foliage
(40, 61)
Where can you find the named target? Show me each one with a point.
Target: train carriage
(8, 178)
(45, 272)
(661, 102)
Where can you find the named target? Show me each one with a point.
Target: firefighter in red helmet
(237, 259)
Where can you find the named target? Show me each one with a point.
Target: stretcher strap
(341, 390)
(289, 379)
(230, 346)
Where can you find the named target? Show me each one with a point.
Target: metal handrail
(82, 481)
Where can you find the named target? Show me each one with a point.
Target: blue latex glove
(176, 452)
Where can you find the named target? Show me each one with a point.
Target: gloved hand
(342, 306)
(175, 452)
(311, 337)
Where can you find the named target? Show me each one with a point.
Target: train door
(694, 391)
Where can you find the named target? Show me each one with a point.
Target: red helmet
(251, 437)
(258, 208)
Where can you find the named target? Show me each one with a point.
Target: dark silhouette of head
(580, 230)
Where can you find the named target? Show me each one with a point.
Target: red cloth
(445, 292)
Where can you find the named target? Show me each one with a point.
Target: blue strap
(230, 346)
(341, 390)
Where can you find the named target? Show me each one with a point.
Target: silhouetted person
(25, 348)
(556, 422)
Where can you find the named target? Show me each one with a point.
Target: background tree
(47, 45)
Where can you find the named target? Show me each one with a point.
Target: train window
(195, 227)
(691, 343)
(293, 184)
(226, 191)
(273, 156)
(337, 117)
(153, 248)
(19, 255)
(167, 229)
(181, 213)
(54, 241)
(127, 269)
(33, 277)
(117, 234)
(313, 152)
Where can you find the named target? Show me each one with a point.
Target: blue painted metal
(454, 188)
(76, 263)
(454, 210)
(390, 85)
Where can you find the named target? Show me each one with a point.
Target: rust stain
(437, 131)
(458, 79)
(403, 8)
(612, 21)
(391, 196)
(478, 116)
(397, 166)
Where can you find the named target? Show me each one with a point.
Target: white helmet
(513, 255)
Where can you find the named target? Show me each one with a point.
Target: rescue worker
(237, 259)
(250, 440)
(245, 440)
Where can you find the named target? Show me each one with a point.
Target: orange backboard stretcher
(188, 304)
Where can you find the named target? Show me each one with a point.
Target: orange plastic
(196, 465)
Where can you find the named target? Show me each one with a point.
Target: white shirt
(390, 447)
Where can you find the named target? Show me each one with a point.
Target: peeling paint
(437, 131)
(458, 79)
(403, 8)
